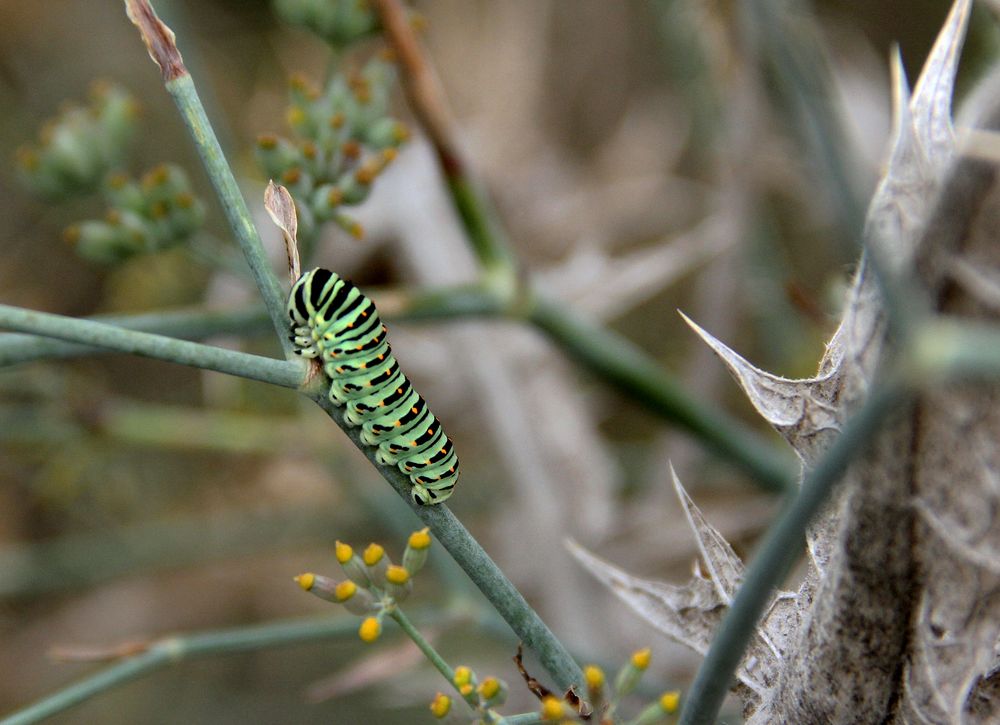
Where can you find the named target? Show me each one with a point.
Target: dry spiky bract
(897, 618)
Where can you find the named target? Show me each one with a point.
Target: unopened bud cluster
(604, 703)
(343, 139)
(157, 212)
(81, 152)
(338, 22)
(374, 585)
(77, 148)
(482, 696)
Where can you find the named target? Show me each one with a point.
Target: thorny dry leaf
(898, 617)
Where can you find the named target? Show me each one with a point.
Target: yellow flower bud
(629, 675)
(489, 688)
(419, 539)
(594, 677)
(463, 675)
(553, 708)
(396, 574)
(466, 689)
(416, 552)
(670, 700)
(441, 705)
(345, 590)
(343, 552)
(295, 116)
(641, 658)
(306, 581)
(370, 629)
(373, 554)
(398, 583)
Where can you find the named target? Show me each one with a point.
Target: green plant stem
(215, 431)
(479, 219)
(426, 96)
(185, 324)
(614, 360)
(620, 363)
(474, 300)
(469, 555)
(278, 372)
(804, 84)
(171, 650)
(947, 348)
(779, 551)
(431, 654)
(183, 92)
(788, 41)
(527, 718)
(209, 251)
(424, 646)
(74, 562)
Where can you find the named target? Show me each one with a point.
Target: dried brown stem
(159, 39)
(422, 85)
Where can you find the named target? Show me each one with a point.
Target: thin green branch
(424, 646)
(527, 718)
(185, 95)
(184, 324)
(431, 654)
(479, 218)
(779, 551)
(278, 372)
(614, 360)
(469, 555)
(619, 362)
(954, 349)
(474, 300)
(172, 650)
(77, 561)
(795, 57)
(427, 99)
(461, 301)
(162, 48)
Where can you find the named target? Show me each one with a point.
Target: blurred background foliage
(642, 158)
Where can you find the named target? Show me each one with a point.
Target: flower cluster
(482, 696)
(374, 585)
(79, 153)
(157, 212)
(604, 703)
(344, 138)
(338, 22)
(76, 149)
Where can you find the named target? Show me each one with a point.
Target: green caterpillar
(334, 321)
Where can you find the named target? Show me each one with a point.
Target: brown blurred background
(643, 162)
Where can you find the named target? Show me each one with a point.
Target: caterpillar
(332, 320)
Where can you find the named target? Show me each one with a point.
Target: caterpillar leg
(425, 496)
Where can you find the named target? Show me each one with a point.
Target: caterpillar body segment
(333, 321)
